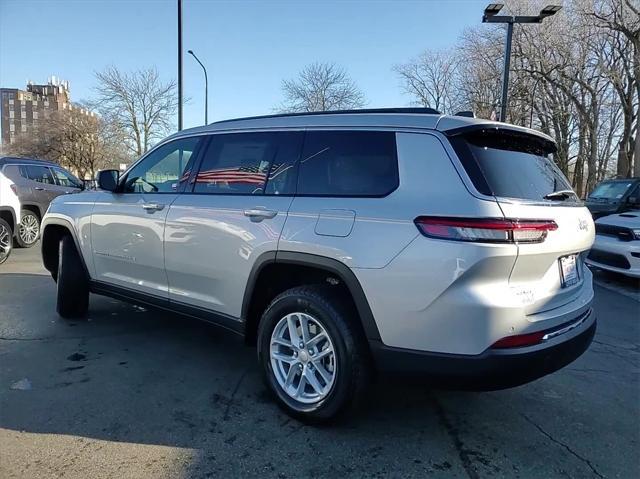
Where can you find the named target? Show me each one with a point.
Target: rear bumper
(494, 368)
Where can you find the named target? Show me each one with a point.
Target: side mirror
(108, 179)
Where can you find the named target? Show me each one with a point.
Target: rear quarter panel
(383, 227)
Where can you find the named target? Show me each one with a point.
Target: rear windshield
(512, 165)
(610, 190)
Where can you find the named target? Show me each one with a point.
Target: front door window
(164, 170)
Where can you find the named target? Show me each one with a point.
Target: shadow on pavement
(147, 377)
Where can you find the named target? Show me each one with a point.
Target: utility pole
(491, 16)
(179, 65)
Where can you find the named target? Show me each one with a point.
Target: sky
(248, 47)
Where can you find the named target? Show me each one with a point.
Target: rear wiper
(559, 195)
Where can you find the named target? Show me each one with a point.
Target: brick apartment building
(21, 110)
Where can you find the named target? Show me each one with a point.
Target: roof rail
(422, 111)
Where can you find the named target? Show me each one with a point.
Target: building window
(11, 102)
(12, 127)
(23, 128)
(35, 115)
(12, 114)
(23, 114)
(46, 103)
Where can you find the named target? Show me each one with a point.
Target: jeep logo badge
(583, 225)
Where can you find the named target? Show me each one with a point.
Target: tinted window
(348, 163)
(66, 179)
(41, 174)
(250, 164)
(165, 169)
(14, 172)
(511, 165)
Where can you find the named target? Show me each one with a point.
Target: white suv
(9, 215)
(343, 244)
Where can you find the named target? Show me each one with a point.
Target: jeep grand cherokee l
(345, 243)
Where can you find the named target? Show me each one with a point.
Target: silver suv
(36, 182)
(344, 244)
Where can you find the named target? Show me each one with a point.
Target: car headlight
(636, 233)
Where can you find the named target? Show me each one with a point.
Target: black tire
(25, 242)
(72, 282)
(6, 241)
(353, 369)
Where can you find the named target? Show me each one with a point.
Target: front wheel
(29, 230)
(72, 282)
(5, 240)
(313, 356)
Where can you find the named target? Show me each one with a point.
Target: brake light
(485, 230)
(14, 188)
(519, 340)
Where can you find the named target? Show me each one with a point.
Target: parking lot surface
(136, 393)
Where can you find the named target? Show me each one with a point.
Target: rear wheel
(29, 229)
(313, 356)
(72, 282)
(5, 240)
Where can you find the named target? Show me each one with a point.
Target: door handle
(38, 188)
(259, 214)
(152, 207)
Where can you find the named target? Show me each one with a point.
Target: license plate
(569, 270)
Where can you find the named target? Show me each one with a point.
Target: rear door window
(250, 164)
(512, 165)
(41, 174)
(348, 163)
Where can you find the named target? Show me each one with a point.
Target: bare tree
(76, 139)
(622, 20)
(321, 87)
(139, 102)
(430, 79)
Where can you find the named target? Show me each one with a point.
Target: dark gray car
(37, 183)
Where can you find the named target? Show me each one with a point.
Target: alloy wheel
(303, 358)
(5, 242)
(29, 228)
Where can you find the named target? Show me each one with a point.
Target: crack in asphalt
(633, 348)
(566, 446)
(226, 416)
(65, 338)
(613, 351)
(464, 454)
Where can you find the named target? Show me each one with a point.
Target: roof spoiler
(465, 113)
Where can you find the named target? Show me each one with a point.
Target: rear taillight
(485, 230)
(14, 188)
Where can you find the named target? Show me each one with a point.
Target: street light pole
(491, 16)
(179, 65)
(206, 87)
(505, 73)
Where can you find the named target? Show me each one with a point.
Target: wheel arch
(51, 233)
(33, 207)
(8, 215)
(277, 271)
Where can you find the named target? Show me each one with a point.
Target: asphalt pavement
(136, 393)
